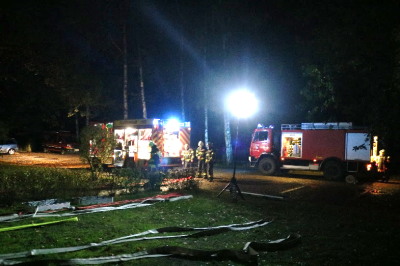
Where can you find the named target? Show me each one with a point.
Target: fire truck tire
(333, 170)
(267, 166)
(62, 152)
(351, 179)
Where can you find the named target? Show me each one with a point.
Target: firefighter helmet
(201, 144)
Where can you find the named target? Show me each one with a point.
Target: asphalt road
(300, 187)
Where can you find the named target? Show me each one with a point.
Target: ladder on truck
(315, 126)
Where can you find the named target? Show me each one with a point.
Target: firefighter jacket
(154, 156)
(210, 156)
(200, 153)
(187, 155)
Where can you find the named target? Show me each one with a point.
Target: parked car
(62, 142)
(9, 146)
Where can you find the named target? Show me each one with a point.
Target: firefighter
(200, 154)
(382, 165)
(187, 157)
(154, 161)
(210, 158)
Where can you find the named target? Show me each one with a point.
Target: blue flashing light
(260, 126)
(155, 122)
(173, 124)
(271, 126)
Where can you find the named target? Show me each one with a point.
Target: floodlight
(242, 104)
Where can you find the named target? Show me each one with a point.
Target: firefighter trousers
(210, 170)
(187, 165)
(201, 169)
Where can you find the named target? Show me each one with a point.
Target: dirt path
(44, 159)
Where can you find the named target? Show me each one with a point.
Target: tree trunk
(181, 81)
(181, 63)
(76, 125)
(205, 116)
(205, 98)
(205, 83)
(228, 138)
(142, 84)
(87, 114)
(125, 87)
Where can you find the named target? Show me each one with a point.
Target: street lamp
(242, 104)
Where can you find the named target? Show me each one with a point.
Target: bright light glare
(242, 104)
(155, 122)
(172, 125)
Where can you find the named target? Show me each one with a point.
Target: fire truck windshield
(260, 136)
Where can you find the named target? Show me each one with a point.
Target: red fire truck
(336, 149)
(133, 137)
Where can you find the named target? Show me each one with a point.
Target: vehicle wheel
(45, 150)
(351, 179)
(267, 166)
(11, 151)
(333, 170)
(62, 151)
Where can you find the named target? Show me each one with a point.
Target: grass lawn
(331, 234)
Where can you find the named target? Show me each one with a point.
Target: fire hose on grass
(248, 255)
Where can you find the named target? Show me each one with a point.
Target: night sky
(259, 45)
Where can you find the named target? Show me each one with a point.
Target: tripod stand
(232, 185)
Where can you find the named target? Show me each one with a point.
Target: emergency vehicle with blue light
(133, 138)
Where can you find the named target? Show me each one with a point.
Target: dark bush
(126, 179)
(19, 183)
